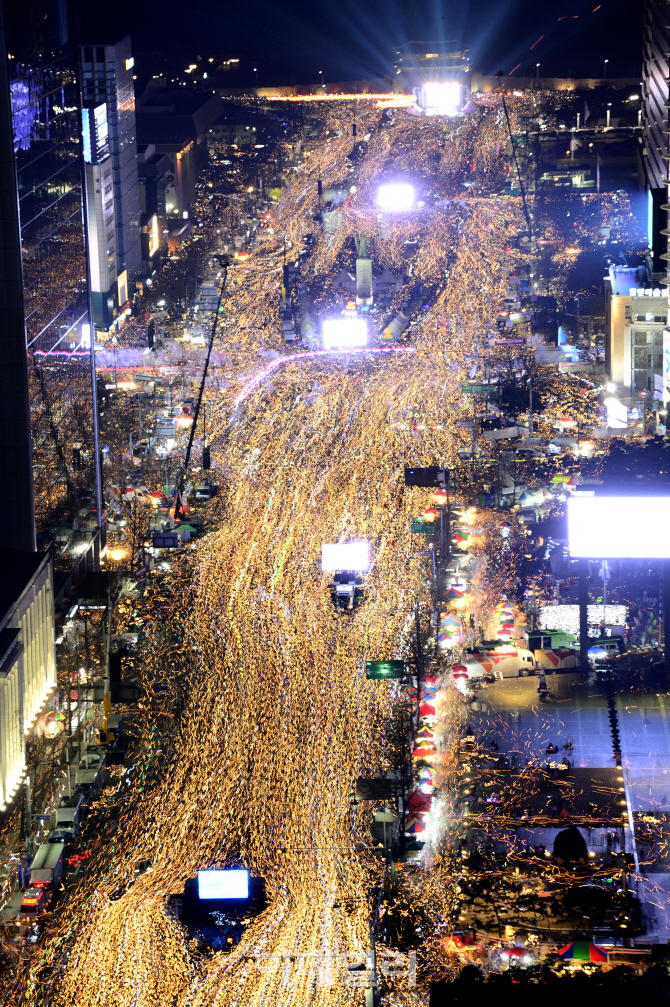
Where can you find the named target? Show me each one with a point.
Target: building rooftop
(624, 278)
(18, 568)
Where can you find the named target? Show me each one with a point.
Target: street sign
(373, 789)
(42, 818)
(384, 669)
(420, 527)
(476, 389)
(509, 342)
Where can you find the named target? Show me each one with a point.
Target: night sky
(292, 41)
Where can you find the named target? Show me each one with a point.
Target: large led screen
(223, 884)
(619, 527)
(349, 556)
(344, 333)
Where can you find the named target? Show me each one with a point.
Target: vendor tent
(582, 951)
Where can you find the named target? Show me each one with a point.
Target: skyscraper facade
(655, 47)
(107, 78)
(654, 143)
(48, 420)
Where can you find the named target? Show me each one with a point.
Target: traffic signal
(206, 458)
(426, 477)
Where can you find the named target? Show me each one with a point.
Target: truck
(556, 659)
(34, 902)
(45, 873)
(71, 812)
(91, 780)
(47, 866)
(67, 820)
(505, 661)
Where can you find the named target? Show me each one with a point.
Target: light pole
(256, 72)
(537, 71)
(605, 62)
(323, 86)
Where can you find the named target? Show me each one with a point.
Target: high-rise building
(107, 79)
(49, 454)
(654, 142)
(102, 232)
(655, 49)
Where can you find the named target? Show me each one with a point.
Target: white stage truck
(557, 659)
(504, 661)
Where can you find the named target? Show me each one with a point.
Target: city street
(258, 715)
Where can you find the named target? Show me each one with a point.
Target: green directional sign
(384, 669)
(476, 389)
(420, 527)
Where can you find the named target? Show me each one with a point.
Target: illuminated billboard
(122, 287)
(634, 527)
(566, 618)
(95, 133)
(350, 556)
(154, 240)
(233, 884)
(344, 333)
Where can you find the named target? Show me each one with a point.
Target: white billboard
(232, 884)
(345, 556)
(619, 527)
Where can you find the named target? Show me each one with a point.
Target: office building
(48, 422)
(102, 231)
(107, 79)
(655, 49)
(173, 130)
(27, 658)
(653, 145)
(636, 318)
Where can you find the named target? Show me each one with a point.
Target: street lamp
(537, 71)
(605, 62)
(256, 72)
(322, 83)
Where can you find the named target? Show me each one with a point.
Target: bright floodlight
(395, 196)
(344, 333)
(223, 884)
(443, 98)
(619, 527)
(350, 556)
